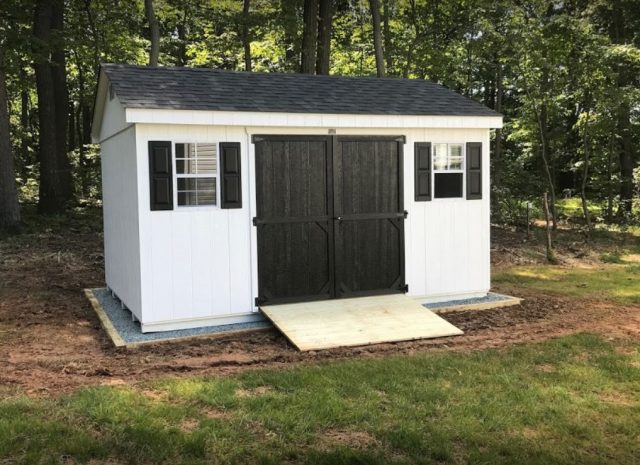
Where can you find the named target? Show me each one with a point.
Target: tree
(154, 32)
(309, 36)
(55, 188)
(246, 41)
(9, 207)
(377, 36)
(323, 59)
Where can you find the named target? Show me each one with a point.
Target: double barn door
(330, 217)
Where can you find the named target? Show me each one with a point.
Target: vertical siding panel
(202, 270)
(161, 268)
(221, 278)
(180, 253)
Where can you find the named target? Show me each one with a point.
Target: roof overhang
(317, 120)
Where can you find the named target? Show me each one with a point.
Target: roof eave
(146, 115)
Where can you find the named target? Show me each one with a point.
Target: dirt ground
(51, 341)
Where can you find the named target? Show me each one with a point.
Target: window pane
(190, 151)
(455, 156)
(206, 198)
(206, 150)
(207, 165)
(440, 156)
(187, 198)
(447, 185)
(180, 150)
(206, 184)
(186, 166)
(186, 184)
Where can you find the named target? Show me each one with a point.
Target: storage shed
(224, 191)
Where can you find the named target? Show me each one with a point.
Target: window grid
(447, 157)
(192, 170)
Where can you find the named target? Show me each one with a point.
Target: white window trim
(462, 171)
(176, 176)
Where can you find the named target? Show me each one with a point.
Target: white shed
(226, 190)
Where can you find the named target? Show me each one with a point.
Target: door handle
(338, 218)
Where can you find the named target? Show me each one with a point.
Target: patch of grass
(572, 207)
(612, 257)
(569, 400)
(616, 282)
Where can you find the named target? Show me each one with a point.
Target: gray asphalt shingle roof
(209, 89)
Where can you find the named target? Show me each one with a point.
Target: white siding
(120, 211)
(198, 264)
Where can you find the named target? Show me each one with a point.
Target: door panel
(369, 256)
(295, 240)
(369, 229)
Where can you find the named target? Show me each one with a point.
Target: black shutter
(474, 170)
(160, 175)
(422, 169)
(231, 188)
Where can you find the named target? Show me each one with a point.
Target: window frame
(177, 175)
(462, 170)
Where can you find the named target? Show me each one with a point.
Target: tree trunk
(246, 42)
(79, 119)
(542, 125)
(52, 191)
(585, 176)
(291, 43)
(610, 180)
(309, 36)
(545, 206)
(154, 32)
(61, 95)
(24, 118)
(626, 162)
(386, 32)
(323, 59)
(9, 207)
(181, 30)
(377, 36)
(497, 148)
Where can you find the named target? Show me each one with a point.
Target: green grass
(572, 207)
(569, 400)
(617, 279)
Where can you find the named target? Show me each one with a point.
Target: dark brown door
(369, 226)
(330, 219)
(294, 218)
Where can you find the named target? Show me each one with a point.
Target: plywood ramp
(354, 322)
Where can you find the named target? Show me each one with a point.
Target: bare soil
(51, 341)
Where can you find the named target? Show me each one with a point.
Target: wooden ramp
(354, 322)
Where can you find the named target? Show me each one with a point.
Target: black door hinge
(255, 221)
(259, 301)
(406, 213)
(405, 288)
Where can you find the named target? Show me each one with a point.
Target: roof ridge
(267, 73)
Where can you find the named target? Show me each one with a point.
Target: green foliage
(573, 65)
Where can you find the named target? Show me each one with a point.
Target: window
(196, 171)
(448, 171)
